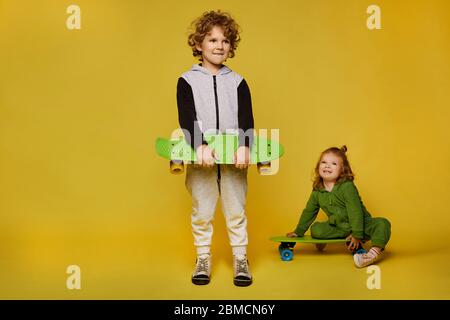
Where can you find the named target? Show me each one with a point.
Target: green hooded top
(342, 205)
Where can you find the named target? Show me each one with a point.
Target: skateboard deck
(224, 146)
(287, 244)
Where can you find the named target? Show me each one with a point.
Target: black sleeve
(187, 116)
(245, 115)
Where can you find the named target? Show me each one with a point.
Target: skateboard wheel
(321, 246)
(360, 249)
(263, 167)
(285, 250)
(287, 254)
(176, 167)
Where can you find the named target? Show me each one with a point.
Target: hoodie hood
(222, 71)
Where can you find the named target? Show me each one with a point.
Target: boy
(212, 97)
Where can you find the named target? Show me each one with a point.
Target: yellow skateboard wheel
(176, 167)
(263, 167)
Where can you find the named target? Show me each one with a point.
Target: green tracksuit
(346, 215)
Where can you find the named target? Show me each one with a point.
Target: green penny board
(224, 146)
(287, 244)
(305, 239)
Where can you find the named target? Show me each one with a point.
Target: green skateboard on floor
(262, 153)
(286, 247)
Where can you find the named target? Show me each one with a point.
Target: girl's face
(214, 47)
(330, 167)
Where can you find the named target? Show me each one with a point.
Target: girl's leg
(379, 231)
(324, 230)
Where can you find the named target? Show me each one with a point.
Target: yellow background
(80, 182)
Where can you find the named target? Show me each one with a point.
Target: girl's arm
(354, 210)
(309, 214)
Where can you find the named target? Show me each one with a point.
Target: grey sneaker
(202, 272)
(242, 276)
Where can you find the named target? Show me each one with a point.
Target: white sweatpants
(205, 189)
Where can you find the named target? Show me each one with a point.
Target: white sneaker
(242, 276)
(202, 272)
(364, 259)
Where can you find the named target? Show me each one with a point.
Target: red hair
(346, 174)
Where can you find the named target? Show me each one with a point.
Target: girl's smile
(330, 167)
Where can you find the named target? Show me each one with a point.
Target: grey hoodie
(219, 102)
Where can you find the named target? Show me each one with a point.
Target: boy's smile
(215, 48)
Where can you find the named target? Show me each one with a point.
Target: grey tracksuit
(221, 103)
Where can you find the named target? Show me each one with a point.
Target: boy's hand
(242, 157)
(205, 156)
(354, 243)
(291, 235)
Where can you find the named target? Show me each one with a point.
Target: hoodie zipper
(216, 99)
(217, 103)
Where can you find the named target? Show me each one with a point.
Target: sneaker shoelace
(202, 265)
(241, 266)
(371, 255)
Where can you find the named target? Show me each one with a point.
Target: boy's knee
(204, 208)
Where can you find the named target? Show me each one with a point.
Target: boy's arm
(354, 209)
(245, 115)
(309, 214)
(187, 116)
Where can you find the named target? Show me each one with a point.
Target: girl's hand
(291, 235)
(242, 157)
(205, 156)
(354, 243)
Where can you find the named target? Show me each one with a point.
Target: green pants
(378, 230)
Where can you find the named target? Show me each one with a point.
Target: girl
(335, 193)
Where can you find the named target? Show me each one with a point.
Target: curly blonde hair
(203, 25)
(346, 174)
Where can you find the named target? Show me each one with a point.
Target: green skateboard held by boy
(224, 146)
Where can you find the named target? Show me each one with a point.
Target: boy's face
(214, 47)
(330, 167)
